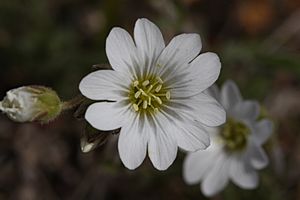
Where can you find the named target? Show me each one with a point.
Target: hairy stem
(72, 103)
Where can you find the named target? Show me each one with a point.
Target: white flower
(155, 94)
(236, 149)
(31, 103)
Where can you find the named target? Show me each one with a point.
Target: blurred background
(55, 43)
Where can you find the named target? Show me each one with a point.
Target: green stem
(72, 103)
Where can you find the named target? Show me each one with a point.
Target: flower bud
(31, 103)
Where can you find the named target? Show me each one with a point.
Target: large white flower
(236, 149)
(155, 94)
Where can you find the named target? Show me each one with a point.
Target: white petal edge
(103, 85)
(107, 116)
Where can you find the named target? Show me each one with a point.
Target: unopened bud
(31, 103)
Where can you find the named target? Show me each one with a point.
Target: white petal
(204, 70)
(103, 85)
(217, 177)
(179, 52)
(230, 95)
(201, 107)
(162, 147)
(242, 174)
(197, 164)
(200, 74)
(149, 41)
(262, 131)
(121, 51)
(248, 110)
(258, 157)
(132, 143)
(210, 112)
(191, 136)
(107, 116)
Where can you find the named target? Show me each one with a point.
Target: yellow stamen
(150, 88)
(159, 80)
(145, 104)
(168, 95)
(140, 101)
(136, 83)
(143, 92)
(149, 94)
(135, 107)
(137, 94)
(158, 88)
(158, 100)
(145, 83)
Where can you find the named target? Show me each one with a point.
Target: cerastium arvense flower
(156, 97)
(236, 149)
(155, 94)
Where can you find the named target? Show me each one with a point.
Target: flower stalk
(73, 103)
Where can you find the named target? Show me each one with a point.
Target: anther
(168, 95)
(158, 100)
(137, 94)
(150, 88)
(145, 83)
(145, 104)
(158, 88)
(135, 83)
(135, 107)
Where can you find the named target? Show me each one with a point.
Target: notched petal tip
(204, 70)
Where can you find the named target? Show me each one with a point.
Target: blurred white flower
(155, 94)
(31, 103)
(236, 149)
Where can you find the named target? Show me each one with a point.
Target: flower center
(148, 94)
(235, 135)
